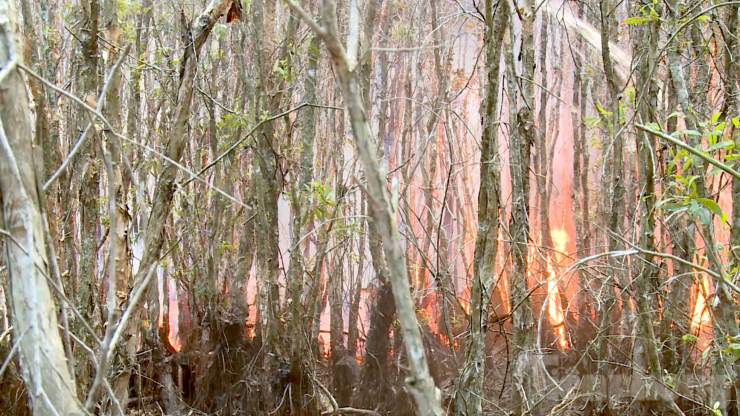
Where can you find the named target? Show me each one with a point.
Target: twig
(718, 277)
(134, 303)
(5, 333)
(303, 14)
(188, 171)
(351, 410)
(400, 50)
(9, 67)
(96, 111)
(9, 357)
(242, 140)
(94, 362)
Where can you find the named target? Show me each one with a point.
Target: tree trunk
(525, 390)
(469, 398)
(43, 363)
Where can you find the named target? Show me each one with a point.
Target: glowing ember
(554, 308)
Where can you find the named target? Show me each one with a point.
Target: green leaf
(715, 117)
(687, 132)
(592, 121)
(635, 20)
(713, 206)
(654, 126)
(704, 217)
(721, 145)
(603, 111)
(674, 207)
(676, 114)
(690, 338)
(735, 122)
(732, 157)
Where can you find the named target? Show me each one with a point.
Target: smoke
(621, 58)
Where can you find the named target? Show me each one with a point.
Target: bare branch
(353, 39)
(96, 111)
(303, 14)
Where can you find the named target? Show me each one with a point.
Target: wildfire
(503, 282)
(173, 314)
(465, 300)
(173, 336)
(700, 318)
(174, 341)
(554, 307)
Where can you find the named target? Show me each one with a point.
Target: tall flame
(554, 308)
(173, 318)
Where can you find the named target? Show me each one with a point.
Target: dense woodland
(374, 207)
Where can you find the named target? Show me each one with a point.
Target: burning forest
(375, 207)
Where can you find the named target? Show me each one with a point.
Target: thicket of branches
(369, 207)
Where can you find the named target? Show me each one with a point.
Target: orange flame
(465, 300)
(554, 308)
(173, 316)
(700, 318)
(174, 341)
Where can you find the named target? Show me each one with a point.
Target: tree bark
(521, 137)
(43, 362)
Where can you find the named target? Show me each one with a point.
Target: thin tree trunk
(646, 344)
(731, 110)
(469, 384)
(524, 395)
